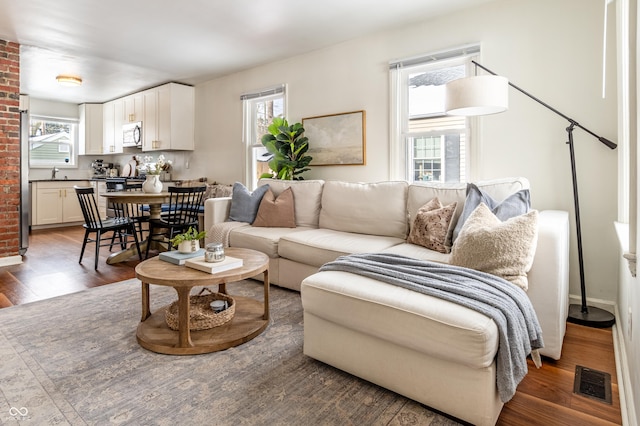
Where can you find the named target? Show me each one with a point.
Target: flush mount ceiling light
(69, 80)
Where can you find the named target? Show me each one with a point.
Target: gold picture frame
(336, 139)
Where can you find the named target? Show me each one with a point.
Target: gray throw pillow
(244, 204)
(514, 205)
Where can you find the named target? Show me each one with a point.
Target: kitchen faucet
(54, 170)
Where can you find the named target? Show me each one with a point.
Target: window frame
(250, 131)
(73, 145)
(400, 154)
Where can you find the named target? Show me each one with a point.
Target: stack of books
(214, 267)
(178, 258)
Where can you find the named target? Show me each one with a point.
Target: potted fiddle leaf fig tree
(289, 146)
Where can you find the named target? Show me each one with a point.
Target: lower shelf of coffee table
(154, 333)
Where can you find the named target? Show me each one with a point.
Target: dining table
(154, 200)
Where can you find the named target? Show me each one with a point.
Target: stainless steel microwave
(132, 135)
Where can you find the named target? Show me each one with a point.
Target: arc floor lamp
(488, 94)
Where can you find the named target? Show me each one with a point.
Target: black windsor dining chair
(139, 213)
(120, 226)
(181, 214)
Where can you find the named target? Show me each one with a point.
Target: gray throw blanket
(508, 305)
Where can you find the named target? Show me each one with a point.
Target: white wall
(544, 46)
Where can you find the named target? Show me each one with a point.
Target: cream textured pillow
(432, 225)
(276, 212)
(505, 249)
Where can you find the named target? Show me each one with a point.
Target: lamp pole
(582, 314)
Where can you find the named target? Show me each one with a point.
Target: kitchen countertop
(60, 180)
(94, 178)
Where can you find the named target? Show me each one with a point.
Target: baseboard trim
(607, 305)
(10, 260)
(625, 390)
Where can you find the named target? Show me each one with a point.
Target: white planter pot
(189, 246)
(152, 184)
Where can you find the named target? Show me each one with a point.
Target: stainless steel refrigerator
(25, 193)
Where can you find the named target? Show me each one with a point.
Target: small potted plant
(188, 242)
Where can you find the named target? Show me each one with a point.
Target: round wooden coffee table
(250, 319)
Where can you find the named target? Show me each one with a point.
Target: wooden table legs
(146, 311)
(184, 334)
(266, 295)
(251, 318)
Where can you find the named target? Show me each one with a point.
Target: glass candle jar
(214, 253)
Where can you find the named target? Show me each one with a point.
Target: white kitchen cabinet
(133, 108)
(56, 202)
(90, 129)
(113, 119)
(169, 115)
(149, 121)
(108, 125)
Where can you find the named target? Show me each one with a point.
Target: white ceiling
(122, 46)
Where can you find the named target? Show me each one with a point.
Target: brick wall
(9, 148)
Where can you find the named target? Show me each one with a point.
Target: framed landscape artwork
(336, 139)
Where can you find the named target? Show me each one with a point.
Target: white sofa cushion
(423, 323)
(263, 239)
(420, 194)
(306, 198)
(316, 247)
(418, 252)
(383, 204)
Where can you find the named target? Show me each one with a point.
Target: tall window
(259, 110)
(52, 142)
(427, 144)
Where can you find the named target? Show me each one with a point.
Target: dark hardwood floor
(50, 267)
(544, 397)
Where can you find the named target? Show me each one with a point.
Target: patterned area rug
(75, 360)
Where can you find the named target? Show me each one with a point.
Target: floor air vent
(593, 384)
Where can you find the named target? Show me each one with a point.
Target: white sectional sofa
(430, 350)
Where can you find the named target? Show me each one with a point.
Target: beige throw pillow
(276, 212)
(505, 249)
(432, 225)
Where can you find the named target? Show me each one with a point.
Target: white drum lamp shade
(479, 95)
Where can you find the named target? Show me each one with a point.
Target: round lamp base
(594, 317)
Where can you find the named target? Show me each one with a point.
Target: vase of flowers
(152, 170)
(152, 184)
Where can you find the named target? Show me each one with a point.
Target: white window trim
(73, 164)
(397, 142)
(275, 91)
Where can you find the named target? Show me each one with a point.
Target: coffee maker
(99, 168)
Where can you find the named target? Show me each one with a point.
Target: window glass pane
(51, 142)
(260, 112)
(426, 90)
(435, 143)
(265, 111)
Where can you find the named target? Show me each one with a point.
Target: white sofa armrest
(549, 279)
(216, 210)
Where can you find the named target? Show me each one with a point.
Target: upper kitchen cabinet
(90, 129)
(168, 122)
(133, 108)
(113, 119)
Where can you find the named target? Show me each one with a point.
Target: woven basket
(201, 316)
